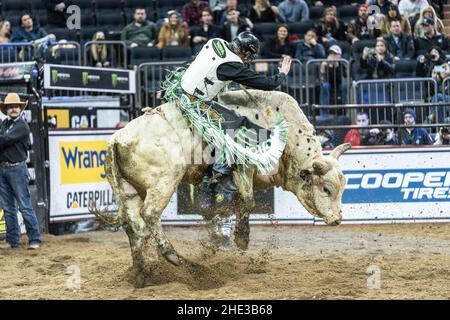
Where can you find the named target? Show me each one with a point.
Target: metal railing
(294, 81)
(393, 91)
(16, 52)
(327, 82)
(151, 74)
(67, 52)
(117, 55)
(431, 123)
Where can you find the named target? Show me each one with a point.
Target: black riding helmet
(246, 44)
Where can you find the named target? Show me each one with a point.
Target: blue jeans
(325, 88)
(14, 188)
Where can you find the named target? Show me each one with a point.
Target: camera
(372, 51)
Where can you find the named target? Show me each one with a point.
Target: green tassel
(242, 151)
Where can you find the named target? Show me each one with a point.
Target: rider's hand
(286, 65)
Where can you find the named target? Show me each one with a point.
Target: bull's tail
(113, 174)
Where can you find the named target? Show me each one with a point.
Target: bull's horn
(340, 149)
(321, 167)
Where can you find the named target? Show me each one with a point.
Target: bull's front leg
(245, 203)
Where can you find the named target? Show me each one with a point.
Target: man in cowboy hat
(14, 145)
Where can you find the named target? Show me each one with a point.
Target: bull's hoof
(241, 243)
(139, 280)
(173, 259)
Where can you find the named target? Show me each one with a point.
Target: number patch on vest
(219, 49)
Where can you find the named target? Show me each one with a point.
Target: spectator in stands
(263, 11)
(400, 44)
(443, 136)
(5, 31)
(431, 38)
(233, 4)
(434, 64)
(358, 29)
(378, 62)
(14, 176)
(360, 136)
(293, 11)
(234, 25)
(57, 13)
(309, 48)
(28, 32)
(99, 52)
(140, 32)
(409, 8)
(394, 13)
(428, 12)
(326, 138)
(191, 11)
(411, 135)
(332, 74)
(331, 29)
(382, 136)
(174, 32)
(280, 46)
(206, 31)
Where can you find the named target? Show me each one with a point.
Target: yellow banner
(2, 222)
(82, 161)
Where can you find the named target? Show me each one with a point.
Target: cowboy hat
(12, 99)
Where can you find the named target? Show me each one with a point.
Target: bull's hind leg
(129, 208)
(245, 204)
(157, 198)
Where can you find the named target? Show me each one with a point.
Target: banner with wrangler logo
(77, 174)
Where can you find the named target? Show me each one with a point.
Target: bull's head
(322, 185)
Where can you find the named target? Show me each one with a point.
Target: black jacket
(57, 18)
(14, 140)
(226, 29)
(405, 47)
(375, 69)
(424, 43)
(238, 72)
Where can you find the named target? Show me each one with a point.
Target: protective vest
(200, 78)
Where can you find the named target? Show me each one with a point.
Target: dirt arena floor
(412, 261)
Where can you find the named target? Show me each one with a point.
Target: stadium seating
(110, 21)
(108, 6)
(315, 13)
(300, 28)
(347, 13)
(405, 68)
(144, 54)
(176, 53)
(264, 31)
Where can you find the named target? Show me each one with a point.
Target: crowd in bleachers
(381, 39)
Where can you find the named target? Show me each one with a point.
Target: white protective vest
(200, 78)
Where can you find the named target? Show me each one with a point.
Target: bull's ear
(321, 167)
(340, 149)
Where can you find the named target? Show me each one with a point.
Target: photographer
(382, 136)
(427, 62)
(434, 64)
(443, 137)
(378, 62)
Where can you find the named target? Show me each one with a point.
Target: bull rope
(207, 121)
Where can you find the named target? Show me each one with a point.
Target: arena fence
(393, 91)
(116, 53)
(150, 76)
(16, 52)
(341, 124)
(327, 82)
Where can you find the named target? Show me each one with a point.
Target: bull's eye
(327, 191)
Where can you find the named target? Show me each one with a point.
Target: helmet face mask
(245, 44)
